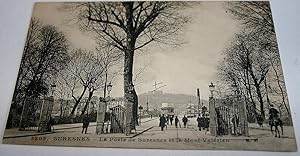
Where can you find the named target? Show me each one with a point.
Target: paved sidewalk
(15, 133)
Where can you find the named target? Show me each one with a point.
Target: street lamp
(211, 88)
(109, 88)
(140, 108)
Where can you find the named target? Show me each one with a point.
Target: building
(191, 110)
(167, 109)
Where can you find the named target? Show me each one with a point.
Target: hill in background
(180, 101)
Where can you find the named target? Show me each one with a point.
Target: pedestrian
(171, 119)
(184, 120)
(235, 122)
(273, 113)
(85, 123)
(50, 125)
(162, 122)
(167, 119)
(260, 121)
(200, 122)
(176, 121)
(205, 124)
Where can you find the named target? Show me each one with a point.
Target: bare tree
(130, 26)
(254, 14)
(245, 65)
(62, 93)
(107, 58)
(257, 16)
(45, 54)
(81, 72)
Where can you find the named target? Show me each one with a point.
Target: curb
(20, 136)
(145, 130)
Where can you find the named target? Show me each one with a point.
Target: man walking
(184, 120)
(167, 119)
(85, 122)
(171, 119)
(200, 122)
(162, 122)
(176, 121)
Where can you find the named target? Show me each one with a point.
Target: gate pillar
(243, 116)
(212, 117)
(45, 115)
(100, 116)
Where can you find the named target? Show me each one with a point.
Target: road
(172, 138)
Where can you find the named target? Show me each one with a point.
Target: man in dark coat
(176, 121)
(205, 124)
(167, 119)
(273, 115)
(184, 120)
(51, 124)
(162, 122)
(260, 120)
(171, 119)
(200, 122)
(85, 122)
(273, 112)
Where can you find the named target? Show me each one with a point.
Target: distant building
(167, 108)
(116, 102)
(191, 110)
(91, 107)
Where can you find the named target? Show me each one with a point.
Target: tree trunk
(128, 93)
(258, 91)
(61, 108)
(87, 102)
(260, 100)
(135, 108)
(77, 101)
(250, 95)
(282, 93)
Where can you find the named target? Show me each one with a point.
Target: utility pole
(199, 100)
(147, 109)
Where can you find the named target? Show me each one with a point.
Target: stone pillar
(243, 116)
(45, 114)
(212, 117)
(100, 116)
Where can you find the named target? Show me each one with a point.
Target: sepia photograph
(177, 75)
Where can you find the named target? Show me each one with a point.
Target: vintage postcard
(159, 75)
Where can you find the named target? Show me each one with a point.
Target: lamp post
(140, 108)
(107, 100)
(109, 87)
(212, 111)
(211, 89)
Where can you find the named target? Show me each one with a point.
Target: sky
(183, 69)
